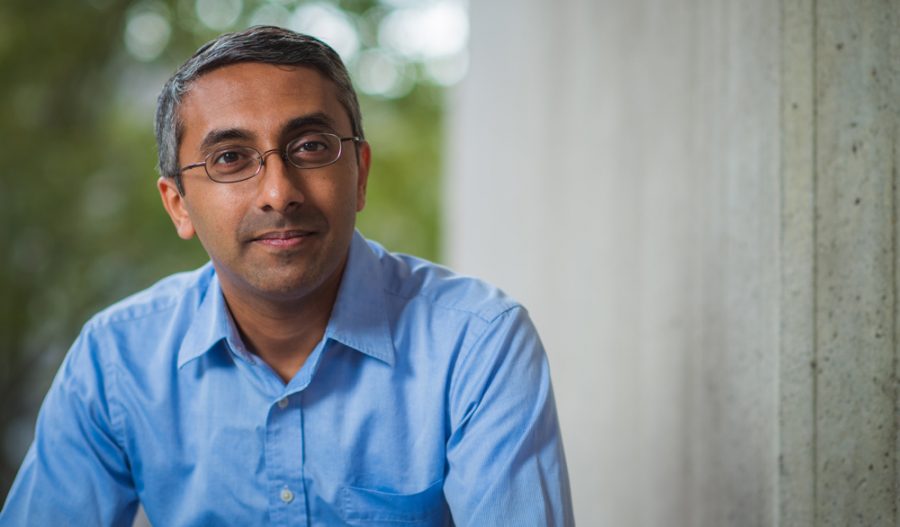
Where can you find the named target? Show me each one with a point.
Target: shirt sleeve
(505, 457)
(75, 472)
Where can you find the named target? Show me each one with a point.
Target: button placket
(284, 462)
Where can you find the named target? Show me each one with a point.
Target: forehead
(259, 98)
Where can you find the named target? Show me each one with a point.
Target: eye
(231, 160)
(309, 145)
(314, 150)
(229, 157)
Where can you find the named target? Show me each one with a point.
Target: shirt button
(286, 495)
(283, 403)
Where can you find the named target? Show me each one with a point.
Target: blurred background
(696, 200)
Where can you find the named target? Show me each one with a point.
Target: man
(305, 376)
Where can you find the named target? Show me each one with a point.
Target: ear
(364, 160)
(174, 203)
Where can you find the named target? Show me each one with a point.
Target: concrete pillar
(839, 383)
(696, 202)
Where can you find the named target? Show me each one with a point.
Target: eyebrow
(215, 137)
(313, 120)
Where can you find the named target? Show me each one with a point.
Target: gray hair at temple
(266, 44)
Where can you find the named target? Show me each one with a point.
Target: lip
(283, 239)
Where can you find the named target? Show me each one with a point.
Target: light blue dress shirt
(427, 402)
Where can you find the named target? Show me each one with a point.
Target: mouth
(283, 239)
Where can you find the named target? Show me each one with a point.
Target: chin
(290, 285)
(287, 289)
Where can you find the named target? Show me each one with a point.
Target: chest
(362, 443)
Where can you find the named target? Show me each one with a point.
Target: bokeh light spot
(270, 15)
(438, 29)
(147, 33)
(329, 24)
(218, 15)
(379, 73)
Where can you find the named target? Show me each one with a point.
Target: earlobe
(364, 161)
(173, 201)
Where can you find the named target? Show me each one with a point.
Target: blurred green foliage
(82, 225)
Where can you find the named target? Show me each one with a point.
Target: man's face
(284, 234)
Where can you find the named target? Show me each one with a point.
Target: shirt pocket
(361, 506)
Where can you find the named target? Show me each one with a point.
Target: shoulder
(131, 331)
(161, 298)
(126, 337)
(410, 279)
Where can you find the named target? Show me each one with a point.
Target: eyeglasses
(231, 164)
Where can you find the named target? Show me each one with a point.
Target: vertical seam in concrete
(894, 307)
(815, 260)
(894, 89)
(777, 502)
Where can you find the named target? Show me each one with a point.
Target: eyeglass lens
(235, 163)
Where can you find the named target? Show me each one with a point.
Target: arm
(505, 456)
(75, 472)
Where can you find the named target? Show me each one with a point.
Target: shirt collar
(211, 323)
(358, 319)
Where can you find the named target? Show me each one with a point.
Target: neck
(283, 333)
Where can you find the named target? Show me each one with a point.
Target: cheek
(360, 198)
(337, 200)
(214, 217)
(351, 204)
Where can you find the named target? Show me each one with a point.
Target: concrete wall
(696, 201)
(839, 380)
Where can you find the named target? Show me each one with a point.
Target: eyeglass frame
(261, 157)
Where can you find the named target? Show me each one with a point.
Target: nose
(279, 184)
